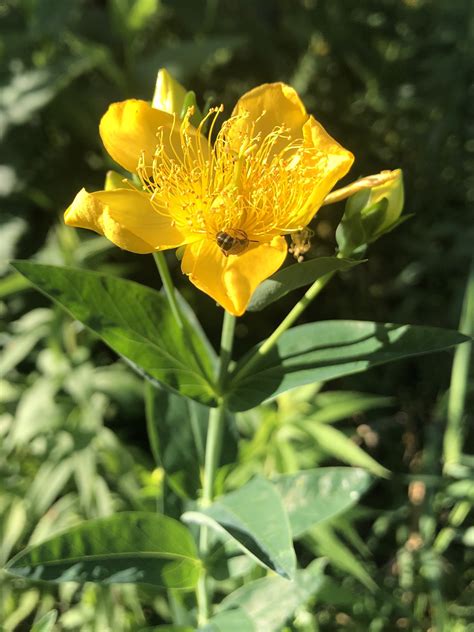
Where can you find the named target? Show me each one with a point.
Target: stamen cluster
(242, 182)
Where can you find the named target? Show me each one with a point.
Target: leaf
(271, 601)
(30, 90)
(46, 623)
(321, 351)
(312, 496)
(167, 628)
(13, 524)
(135, 321)
(134, 15)
(336, 444)
(24, 607)
(37, 412)
(48, 483)
(177, 431)
(255, 518)
(176, 438)
(235, 620)
(184, 57)
(293, 277)
(11, 227)
(130, 547)
(334, 592)
(325, 542)
(332, 406)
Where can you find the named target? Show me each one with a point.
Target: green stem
(167, 281)
(227, 341)
(455, 431)
(285, 324)
(211, 463)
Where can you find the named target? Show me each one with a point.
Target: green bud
(369, 214)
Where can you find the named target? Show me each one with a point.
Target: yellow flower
(229, 203)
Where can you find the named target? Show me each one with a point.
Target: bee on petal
(232, 244)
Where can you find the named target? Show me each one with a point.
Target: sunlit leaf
(255, 518)
(324, 350)
(130, 547)
(332, 406)
(293, 277)
(135, 321)
(270, 602)
(235, 620)
(312, 496)
(46, 623)
(335, 443)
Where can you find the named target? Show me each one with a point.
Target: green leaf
(30, 90)
(333, 406)
(235, 620)
(135, 321)
(176, 440)
(46, 623)
(315, 495)
(130, 547)
(271, 601)
(183, 58)
(336, 444)
(177, 431)
(167, 628)
(325, 542)
(335, 593)
(12, 526)
(321, 351)
(293, 277)
(255, 518)
(20, 345)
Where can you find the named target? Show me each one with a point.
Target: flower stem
(211, 463)
(165, 275)
(285, 324)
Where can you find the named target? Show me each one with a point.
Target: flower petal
(232, 280)
(330, 162)
(129, 128)
(272, 105)
(126, 217)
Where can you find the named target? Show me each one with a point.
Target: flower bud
(370, 213)
(169, 94)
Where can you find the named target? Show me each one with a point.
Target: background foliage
(390, 80)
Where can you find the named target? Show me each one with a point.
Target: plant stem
(211, 463)
(163, 269)
(455, 431)
(285, 324)
(227, 341)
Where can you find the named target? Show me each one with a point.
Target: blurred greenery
(390, 80)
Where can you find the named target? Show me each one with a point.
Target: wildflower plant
(228, 195)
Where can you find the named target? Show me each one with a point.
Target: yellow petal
(126, 217)
(129, 128)
(232, 280)
(330, 162)
(271, 105)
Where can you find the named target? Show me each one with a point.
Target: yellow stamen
(244, 182)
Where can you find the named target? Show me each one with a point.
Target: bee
(232, 244)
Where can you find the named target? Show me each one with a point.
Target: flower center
(245, 183)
